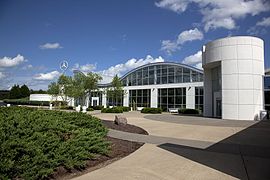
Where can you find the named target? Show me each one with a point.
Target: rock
(120, 120)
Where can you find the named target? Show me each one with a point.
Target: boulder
(120, 120)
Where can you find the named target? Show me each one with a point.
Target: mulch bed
(119, 149)
(126, 128)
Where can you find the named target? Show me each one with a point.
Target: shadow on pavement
(244, 155)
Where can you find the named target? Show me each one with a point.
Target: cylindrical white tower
(233, 77)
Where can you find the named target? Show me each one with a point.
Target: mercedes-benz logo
(64, 65)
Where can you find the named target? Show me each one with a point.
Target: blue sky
(110, 37)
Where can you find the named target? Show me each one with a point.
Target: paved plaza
(185, 147)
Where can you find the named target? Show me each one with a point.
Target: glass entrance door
(218, 108)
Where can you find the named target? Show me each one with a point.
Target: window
(171, 98)
(162, 74)
(113, 101)
(140, 98)
(199, 98)
(186, 75)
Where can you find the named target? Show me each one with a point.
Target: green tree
(116, 92)
(15, 92)
(75, 87)
(25, 92)
(91, 82)
(54, 89)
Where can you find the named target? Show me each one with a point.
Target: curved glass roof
(160, 73)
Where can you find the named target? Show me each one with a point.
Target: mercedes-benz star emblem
(64, 65)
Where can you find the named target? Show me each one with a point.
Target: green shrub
(100, 107)
(26, 102)
(112, 110)
(152, 110)
(89, 109)
(188, 111)
(125, 108)
(33, 142)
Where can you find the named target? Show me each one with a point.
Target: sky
(115, 36)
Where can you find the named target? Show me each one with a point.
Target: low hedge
(34, 143)
(112, 110)
(89, 109)
(125, 108)
(26, 102)
(188, 111)
(152, 110)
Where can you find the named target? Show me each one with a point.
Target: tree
(25, 92)
(76, 88)
(54, 89)
(116, 92)
(15, 92)
(91, 82)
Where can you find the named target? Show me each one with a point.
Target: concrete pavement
(179, 150)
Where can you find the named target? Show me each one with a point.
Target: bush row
(35, 142)
(188, 111)
(26, 102)
(117, 109)
(112, 110)
(152, 110)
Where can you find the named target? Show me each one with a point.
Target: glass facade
(199, 98)
(112, 101)
(171, 98)
(267, 92)
(162, 74)
(139, 97)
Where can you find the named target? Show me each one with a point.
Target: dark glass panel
(186, 75)
(171, 79)
(163, 92)
(171, 70)
(170, 100)
(171, 91)
(164, 80)
(139, 92)
(178, 91)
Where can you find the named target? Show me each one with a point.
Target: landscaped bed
(126, 128)
(41, 144)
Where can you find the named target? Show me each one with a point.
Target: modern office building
(233, 78)
(233, 83)
(165, 85)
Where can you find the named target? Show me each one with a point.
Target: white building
(165, 85)
(233, 78)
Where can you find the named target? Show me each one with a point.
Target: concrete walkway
(199, 150)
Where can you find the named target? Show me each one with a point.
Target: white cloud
(27, 67)
(84, 68)
(47, 76)
(264, 22)
(194, 60)
(50, 46)
(177, 6)
(169, 46)
(11, 62)
(218, 13)
(120, 69)
(2, 75)
(260, 27)
(189, 35)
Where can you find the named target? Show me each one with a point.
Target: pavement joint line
(151, 139)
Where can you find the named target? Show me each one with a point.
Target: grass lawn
(33, 143)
